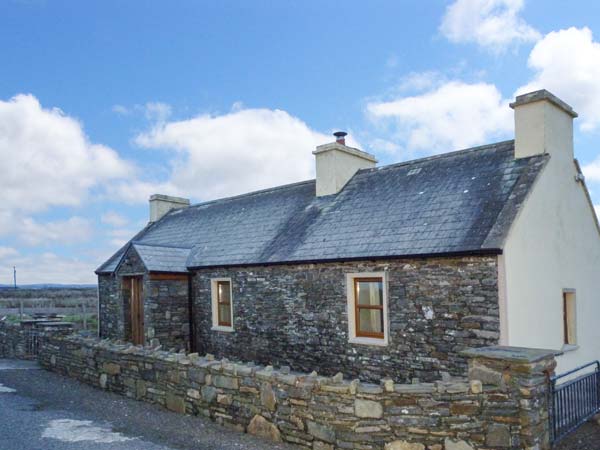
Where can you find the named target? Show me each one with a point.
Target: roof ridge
(248, 194)
(440, 156)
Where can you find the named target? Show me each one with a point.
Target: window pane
(370, 321)
(570, 318)
(224, 314)
(369, 292)
(224, 292)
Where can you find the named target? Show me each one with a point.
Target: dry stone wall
(502, 405)
(12, 341)
(296, 315)
(23, 342)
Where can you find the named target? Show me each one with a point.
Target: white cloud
(46, 268)
(31, 232)
(451, 116)
(120, 236)
(442, 115)
(7, 251)
(114, 219)
(592, 171)
(66, 232)
(46, 158)
(139, 191)
(567, 63)
(244, 150)
(121, 110)
(384, 146)
(420, 81)
(491, 24)
(152, 111)
(157, 111)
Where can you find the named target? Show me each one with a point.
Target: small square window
(569, 317)
(222, 304)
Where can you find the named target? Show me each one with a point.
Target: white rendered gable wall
(554, 244)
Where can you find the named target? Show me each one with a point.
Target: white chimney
(162, 204)
(543, 124)
(337, 163)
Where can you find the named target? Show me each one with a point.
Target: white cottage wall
(554, 245)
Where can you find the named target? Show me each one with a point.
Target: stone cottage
(376, 271)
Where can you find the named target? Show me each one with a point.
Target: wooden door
(137, 311)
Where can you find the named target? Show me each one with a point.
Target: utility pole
(15, 276)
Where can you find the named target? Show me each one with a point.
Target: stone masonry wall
(110, 308)
(12, 341)
(166, 313)
(296, 315)
(22, 342)
(507, 411)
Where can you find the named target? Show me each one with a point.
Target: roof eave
(475, 252)
(186, 272)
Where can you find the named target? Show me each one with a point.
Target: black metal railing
(573, 399)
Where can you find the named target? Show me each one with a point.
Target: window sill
(222, 328)
(368, 341)
(569, 348)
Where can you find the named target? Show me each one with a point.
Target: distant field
(50, 293)
(69, 302)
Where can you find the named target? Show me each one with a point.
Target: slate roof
(460, 202)
(163, 259)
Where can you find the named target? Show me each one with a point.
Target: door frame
(136, 308)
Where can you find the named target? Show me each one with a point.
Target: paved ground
(41, 410)
(585, 438)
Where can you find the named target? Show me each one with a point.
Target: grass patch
(77, 321)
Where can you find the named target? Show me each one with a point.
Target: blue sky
(104, 103)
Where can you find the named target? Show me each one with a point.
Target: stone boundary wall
(502, 405)
(21, 342)
(12, 341)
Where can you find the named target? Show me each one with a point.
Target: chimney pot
(340, 137)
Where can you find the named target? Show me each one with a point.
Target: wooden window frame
(569, 318)
(373, 339)
(217, 323)
(220, 320)
(358, 307)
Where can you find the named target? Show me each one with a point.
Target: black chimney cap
(340, 134)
